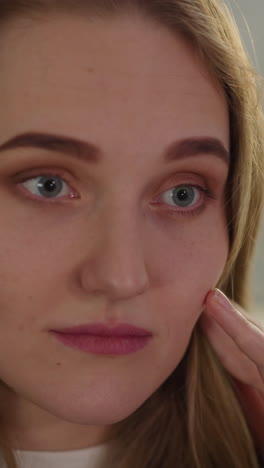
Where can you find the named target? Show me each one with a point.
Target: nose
(115, 266)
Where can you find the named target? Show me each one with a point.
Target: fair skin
(109, 254)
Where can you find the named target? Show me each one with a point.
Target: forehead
(126, 76)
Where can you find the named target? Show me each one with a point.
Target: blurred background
(249, 16)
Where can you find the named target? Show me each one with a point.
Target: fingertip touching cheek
(111, 185)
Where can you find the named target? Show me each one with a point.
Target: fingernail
(221, 299)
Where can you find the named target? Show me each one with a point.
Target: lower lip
(116, 345)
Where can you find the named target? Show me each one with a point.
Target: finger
(236, 362)
(248, 336)
(248, 316)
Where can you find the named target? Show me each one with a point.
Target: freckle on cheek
(58, 363)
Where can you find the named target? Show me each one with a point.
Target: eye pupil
(182, 194)
(49, 185)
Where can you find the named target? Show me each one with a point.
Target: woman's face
(118, 240)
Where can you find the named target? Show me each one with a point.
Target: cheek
(186, 275)
(192, 260)
(27, 278)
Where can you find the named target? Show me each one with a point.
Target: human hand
(238, 340)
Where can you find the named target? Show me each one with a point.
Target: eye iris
(49, 184)
(182, 195)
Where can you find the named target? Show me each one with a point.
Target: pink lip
(100, 329)
(98, 338)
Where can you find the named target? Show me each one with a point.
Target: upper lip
(101, 329)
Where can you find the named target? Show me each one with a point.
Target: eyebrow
(91, 153)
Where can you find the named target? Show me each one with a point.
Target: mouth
(111, 345)
(100, 338)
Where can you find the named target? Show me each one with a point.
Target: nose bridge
(118, 263)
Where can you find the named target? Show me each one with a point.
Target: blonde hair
(195, 419)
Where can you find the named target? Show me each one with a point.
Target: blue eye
(183, 195)
(47, 186)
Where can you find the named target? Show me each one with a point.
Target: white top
(84, 458)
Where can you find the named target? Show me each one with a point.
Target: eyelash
(206, 192)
